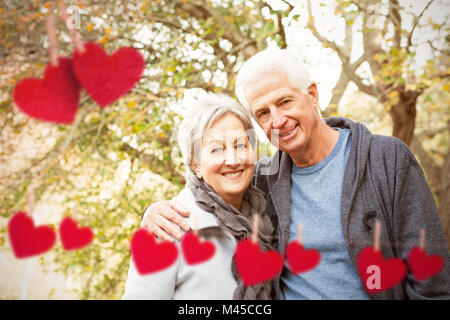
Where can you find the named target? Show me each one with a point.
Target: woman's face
(227, 159)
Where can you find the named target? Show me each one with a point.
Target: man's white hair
(201, 117)
(267, 62)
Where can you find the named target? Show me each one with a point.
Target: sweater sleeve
(414, 208)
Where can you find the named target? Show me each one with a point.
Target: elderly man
(335, 178)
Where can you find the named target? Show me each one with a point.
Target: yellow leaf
(445, 87)
(411, 86)
(393, 94)
(108, 31)
(131, 103)
(180, 93)
(90, 27)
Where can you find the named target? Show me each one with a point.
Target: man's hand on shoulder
(162, 217)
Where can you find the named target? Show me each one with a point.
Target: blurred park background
(382, 62)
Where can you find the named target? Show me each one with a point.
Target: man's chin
(291, 146)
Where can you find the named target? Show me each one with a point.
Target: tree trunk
(444, 195)
(403, 115)
(444, 198)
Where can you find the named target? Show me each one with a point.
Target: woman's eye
(241, 146)
(285, 101)
(216, 150)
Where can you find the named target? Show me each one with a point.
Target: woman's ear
(197, 170)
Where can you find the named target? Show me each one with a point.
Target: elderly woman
(216, 139)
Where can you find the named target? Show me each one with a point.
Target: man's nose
(278, 120)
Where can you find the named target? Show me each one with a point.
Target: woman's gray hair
(272, 60)
(201, 117)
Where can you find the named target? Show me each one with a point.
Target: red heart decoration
(424, 266)
(149, 255)
(28, 240)
(73, 237)
(55, 98)
(301, 260)
(107, 78)
(378, 274)
(255, 266)
(195, 251)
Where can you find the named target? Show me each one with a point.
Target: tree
(186, 45)
(389, 50)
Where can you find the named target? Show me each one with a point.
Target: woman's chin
(236, 186)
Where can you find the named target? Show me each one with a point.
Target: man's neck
(319, 147)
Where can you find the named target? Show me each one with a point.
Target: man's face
(284, 112)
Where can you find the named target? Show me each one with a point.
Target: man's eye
(262, 113)
(285, 101)
(241, 146)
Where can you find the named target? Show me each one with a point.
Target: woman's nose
(231, 157)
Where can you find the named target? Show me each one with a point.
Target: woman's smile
(233, 175)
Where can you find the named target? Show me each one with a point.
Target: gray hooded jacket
(382, 181)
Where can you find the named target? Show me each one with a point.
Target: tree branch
(162, 168)
(416, 22)
(396, 19)
(345, 59)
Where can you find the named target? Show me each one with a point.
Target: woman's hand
(161, 218)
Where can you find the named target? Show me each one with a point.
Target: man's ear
(312, 91)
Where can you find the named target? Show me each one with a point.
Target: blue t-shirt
(316, 203)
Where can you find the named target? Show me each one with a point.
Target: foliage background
(111, 163)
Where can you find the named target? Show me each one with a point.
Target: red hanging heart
(301, 260)
(107, 78)
(149, 255)
(73, 237)
(28, 240)
(255, 266)
(378, 274)
(195, 251)
(55, 98)
(424, 266)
